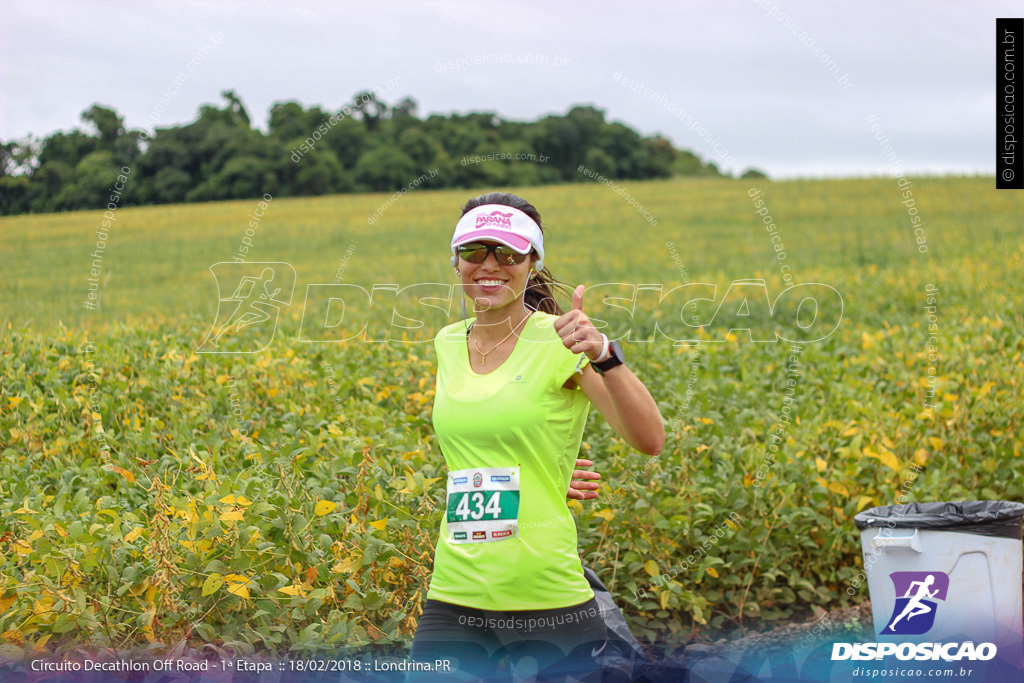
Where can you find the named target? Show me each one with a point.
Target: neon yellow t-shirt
(510, 439)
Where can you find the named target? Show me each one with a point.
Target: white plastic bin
(942, 572)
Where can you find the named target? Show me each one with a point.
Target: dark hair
(542, 285)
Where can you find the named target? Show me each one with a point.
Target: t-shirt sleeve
(566, 362)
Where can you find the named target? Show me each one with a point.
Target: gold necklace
(483, 356)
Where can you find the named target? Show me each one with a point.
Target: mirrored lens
(477, 253)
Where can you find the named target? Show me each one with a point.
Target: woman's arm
(618, 395)
(624, 401)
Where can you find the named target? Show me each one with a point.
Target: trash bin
(938, 572)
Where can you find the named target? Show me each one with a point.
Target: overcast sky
(782, 85)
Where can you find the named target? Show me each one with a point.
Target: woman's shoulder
(543, 320)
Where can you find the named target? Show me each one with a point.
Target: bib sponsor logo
(479, 535)
(495, 219)
(459, 536)
(478, 480)
(460, 480)
(501, 477)
(501, 534)
(914, 613)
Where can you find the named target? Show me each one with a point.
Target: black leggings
(475, 644)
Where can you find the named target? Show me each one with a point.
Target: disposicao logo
(918, 595)
(914, 613)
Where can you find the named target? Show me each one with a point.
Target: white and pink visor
(499, 223)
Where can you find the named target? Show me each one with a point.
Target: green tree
(108, 124)
(385, 169)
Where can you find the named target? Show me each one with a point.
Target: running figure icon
(915, 606)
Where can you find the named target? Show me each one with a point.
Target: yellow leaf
(12, 636)
(981, 392)
(349, 564)
(852, 431)
(884, 456)
(228, 499)
(40, 645)
(863, 502)
(21, 547)
(705, 420)
(836, 487)
(651, 567)
(921, 456)
(377, 491)
(232, 516)
(821, 464)
(123, 472)
(239, 589)
(431, 481)
(7, 602)
(196, 547)
(238, 584)
(133, 534)
(212, 584)
(293, 590)
(324, 507)
(713, 572)
(242, 500)
(888, 443)
(380, 524)
(663, 598)
(935, 442)
(43, 606)
(606, 514)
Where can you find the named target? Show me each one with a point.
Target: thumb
(577, 298)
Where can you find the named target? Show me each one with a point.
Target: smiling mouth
(489, 283)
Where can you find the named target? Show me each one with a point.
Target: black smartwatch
(614, 360)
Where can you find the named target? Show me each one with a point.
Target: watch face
(616, 349)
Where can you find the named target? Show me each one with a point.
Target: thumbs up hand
(576, 331)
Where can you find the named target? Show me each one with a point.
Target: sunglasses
(477, 253)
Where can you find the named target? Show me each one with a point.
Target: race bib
(483, 504)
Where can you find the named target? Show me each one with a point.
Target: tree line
(365, 146)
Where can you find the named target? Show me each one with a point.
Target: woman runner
(514, 386)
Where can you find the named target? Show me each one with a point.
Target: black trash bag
(1000, 518)
(622, 654)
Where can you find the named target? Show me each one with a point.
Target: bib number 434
(482, 505)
